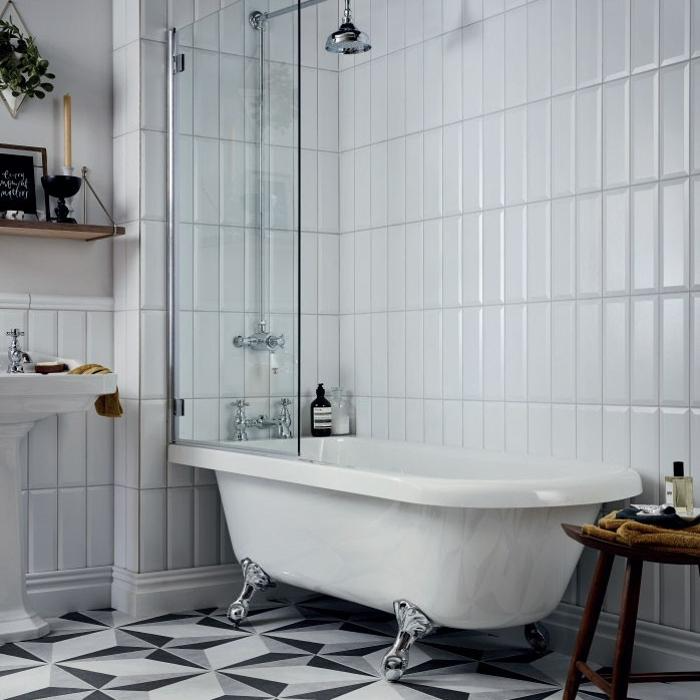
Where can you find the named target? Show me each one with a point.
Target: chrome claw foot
(537, 636)
(254, 579)
(237, 612)
(413, 625)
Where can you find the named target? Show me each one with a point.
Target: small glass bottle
(341, 413)
(679, 490)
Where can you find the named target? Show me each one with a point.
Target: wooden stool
(614, 685)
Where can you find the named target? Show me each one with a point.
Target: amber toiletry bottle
(321, 414)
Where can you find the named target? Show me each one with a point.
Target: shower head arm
(258, 19)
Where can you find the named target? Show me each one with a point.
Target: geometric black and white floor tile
(318, 648)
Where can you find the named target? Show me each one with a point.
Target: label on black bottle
(323, 416)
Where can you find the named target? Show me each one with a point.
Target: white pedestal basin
(25, 399)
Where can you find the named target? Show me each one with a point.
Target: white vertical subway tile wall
(535, 241)
(67, 479)
(499, 246)
(166, 516)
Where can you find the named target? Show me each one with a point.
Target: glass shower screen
(235, 230)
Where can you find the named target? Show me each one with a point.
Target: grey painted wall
(76, 37)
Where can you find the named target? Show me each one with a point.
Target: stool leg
(589, 621)
(626, 628)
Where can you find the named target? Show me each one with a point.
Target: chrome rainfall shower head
(348, 39)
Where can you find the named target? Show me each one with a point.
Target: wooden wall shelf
(42, 229)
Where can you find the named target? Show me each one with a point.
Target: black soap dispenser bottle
(321, 414)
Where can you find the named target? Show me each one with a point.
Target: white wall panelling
(67, 482)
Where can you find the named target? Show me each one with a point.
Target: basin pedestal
(17, 620)
(24, 400)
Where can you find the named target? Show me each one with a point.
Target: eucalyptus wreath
(22, 69)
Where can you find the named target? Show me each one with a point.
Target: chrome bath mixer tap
(282, 422)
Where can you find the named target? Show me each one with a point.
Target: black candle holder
(61, 187)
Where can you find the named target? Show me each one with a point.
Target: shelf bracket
(88, 184)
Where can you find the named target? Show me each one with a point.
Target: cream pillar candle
(67, 132)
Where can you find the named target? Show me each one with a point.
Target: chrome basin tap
(15, 355)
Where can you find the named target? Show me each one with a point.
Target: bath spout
(282, 423)
(254, 580)
(413, 625)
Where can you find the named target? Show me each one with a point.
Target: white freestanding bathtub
(472, 539)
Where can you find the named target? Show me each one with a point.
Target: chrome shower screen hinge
(179, 63)
(179, 407)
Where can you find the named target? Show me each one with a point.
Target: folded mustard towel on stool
(107, 405)
(637, 534)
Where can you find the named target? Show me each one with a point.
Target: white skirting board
(54, 593)
(142, 595)
(656, 648)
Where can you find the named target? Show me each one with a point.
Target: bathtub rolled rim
(601, 485)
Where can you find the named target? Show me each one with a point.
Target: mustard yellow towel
(107, 405)
(635, 534)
